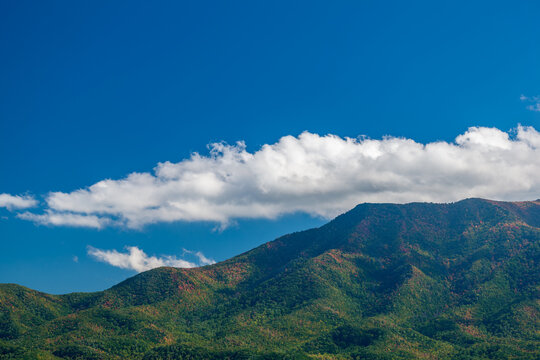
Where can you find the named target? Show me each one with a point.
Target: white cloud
(12, 202)
(203, 260)
(318, 175)
(136, 259)
(51, 217)
(534, 102)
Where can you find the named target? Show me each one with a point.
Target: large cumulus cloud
(319, 175)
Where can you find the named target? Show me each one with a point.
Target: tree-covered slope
(383, 281)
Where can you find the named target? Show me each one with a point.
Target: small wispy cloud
(15, 202)
(533, 101)
(203, 260)
(65, 219)
(136, 259)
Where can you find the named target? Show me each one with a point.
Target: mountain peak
(458, 280)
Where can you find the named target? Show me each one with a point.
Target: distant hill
(383, 281)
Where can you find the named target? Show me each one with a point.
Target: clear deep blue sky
(91, 90)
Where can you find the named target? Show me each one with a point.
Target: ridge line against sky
(319, 175)
(107, 109)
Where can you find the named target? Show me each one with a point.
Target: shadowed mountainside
(382, 281)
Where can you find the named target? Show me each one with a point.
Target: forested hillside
(383, 281)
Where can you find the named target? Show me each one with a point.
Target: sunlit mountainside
(382, 281)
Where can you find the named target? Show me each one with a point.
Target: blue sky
(98, 90)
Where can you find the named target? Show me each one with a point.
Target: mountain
(382, 281)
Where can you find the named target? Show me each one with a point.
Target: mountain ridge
(417, 280)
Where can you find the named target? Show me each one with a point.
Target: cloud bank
(13, 202)
(319, 175)
(136, 259)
